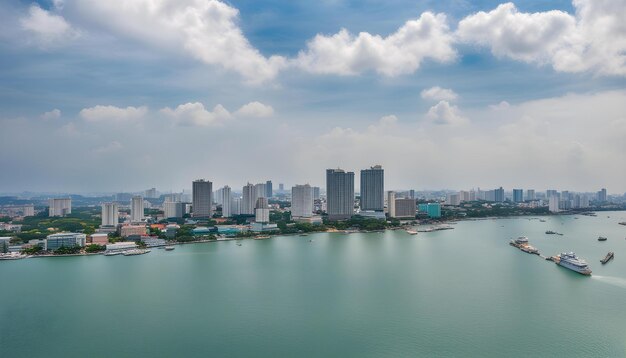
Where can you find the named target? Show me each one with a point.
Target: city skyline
(294, 91)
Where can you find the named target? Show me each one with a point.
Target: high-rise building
(110, 215)
(269, 190)
(411, 194)
(372, 189)
(339, 194)
(226, 202)
(60, 207)
(248, 200)
(262, 211)
(281, 187)
(391, 204)
(530, 194)
(316, 193)
(405, 208)
(464, 196)
(260, 191)
(173, 209)
(553, 204)
(235, 206)
(602, 195)
(202, 198)
(551, 192)
(499, 195)
(453, 199)
(301, 201)
(518, 195)
(136, 208)
(150, 193)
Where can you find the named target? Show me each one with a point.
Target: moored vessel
(169, 248)
(134, 252)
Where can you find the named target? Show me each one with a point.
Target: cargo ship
(522, 244)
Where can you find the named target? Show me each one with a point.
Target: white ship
(571, 261)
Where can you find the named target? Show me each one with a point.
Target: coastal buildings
(260, 191)
(530, 194)
(269, 190)
(499, 195)
(453, 199)
(262, 211)
(602, 195)
(518, 195)
(173, 209)
(553, 203)
(110, 216)
(133, 230)
(301, 201)
(372, 189)
(202, 198)
(59, 207)
(100, 238)
(391, 204)
(226, 201)
(136, 209)
(405, 208)
(248, 200)
(316, 193)
(339, 194)
(65, 239)
(433, 210)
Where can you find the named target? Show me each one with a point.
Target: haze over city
(109, 96)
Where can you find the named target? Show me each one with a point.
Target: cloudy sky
(126, 95)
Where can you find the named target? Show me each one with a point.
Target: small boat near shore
(169, 248)
(262, 237)
(411, 232)
(608, 257)
(112, 253)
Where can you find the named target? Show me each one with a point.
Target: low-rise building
(120, 246)
(64, 239)
(151, 241)
(405, 208)
(100, 238)
(133, 230)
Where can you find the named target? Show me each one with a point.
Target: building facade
(202, 198)
(518, 195)
(405, 208)
(59, 207)
(372, 189)
(339, 194)
(65, 239)
(110, 216)
(301, 201)
(136, 209)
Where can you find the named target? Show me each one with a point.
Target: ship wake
(611, 280)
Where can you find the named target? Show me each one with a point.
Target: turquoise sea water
(458, 293)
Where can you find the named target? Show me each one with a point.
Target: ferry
(134, 252)
(608, 257)
(572, 262)
(169, 248)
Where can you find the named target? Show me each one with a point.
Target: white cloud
(53, 114)
(402, 52)
(500, 106)
(444, 113)
(46, 28)
(194, 114)
(439, 94)
(109, 148)
(112, 114)
(205, 29)
(255, 109)
(592, 40)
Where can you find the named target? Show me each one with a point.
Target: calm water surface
(458, 293)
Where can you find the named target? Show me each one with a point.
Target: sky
(117, 96)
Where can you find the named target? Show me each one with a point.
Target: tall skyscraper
(202, 198)
(553, 204)
(316, 193)
(248, 200)
(372, 189)
(411, 194)
(391, 204)
(150, 193)
(499, 195)
(301, 201)
(260, 191)
(281, 187)
(226, 202)
(518, 195)
(110, 214)
(173, 209)
(59, 207)
(269, 190)
(339, 194)
(262, 211)
(136, 208)
(530, 194)
(602, 195)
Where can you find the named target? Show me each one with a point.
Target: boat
(541, 220)
(602, 238)
(411, 232)
(608, 257)
(135, 252)
(261, 237)
(112, 253)
(169, 248)
(238, 244)
(522, 244)
(623, 223)
(569, 260)
(550, 232)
